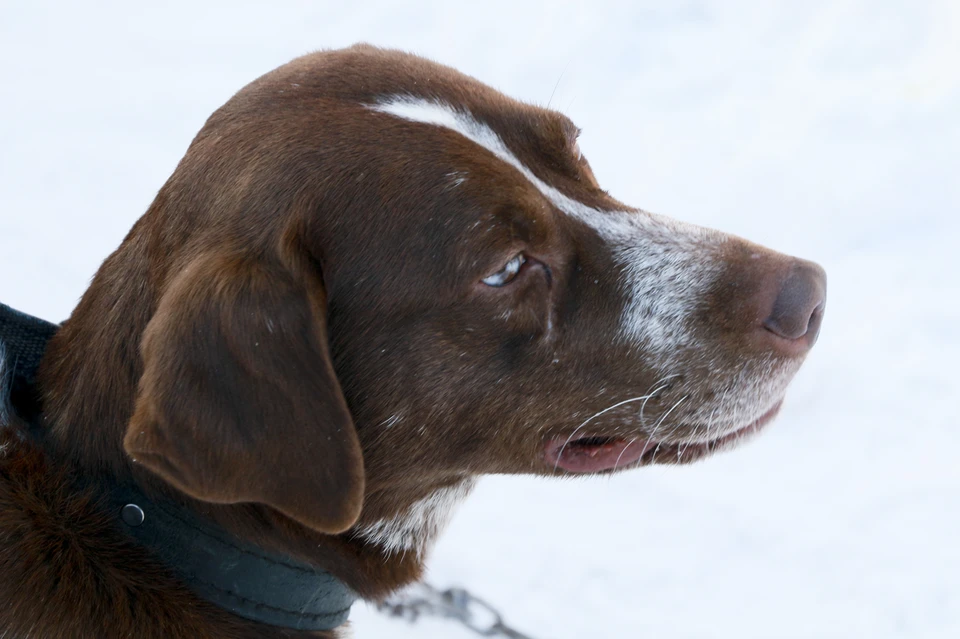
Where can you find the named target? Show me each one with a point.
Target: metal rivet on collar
(132, 515)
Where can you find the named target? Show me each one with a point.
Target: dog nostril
(798, 309)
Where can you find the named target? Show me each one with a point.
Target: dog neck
(86, 384)
(247, 580)
(87, 380)
(242, 578)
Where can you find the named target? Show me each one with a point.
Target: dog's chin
(599, 453)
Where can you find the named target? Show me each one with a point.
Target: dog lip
(597, 453)
(591, 454)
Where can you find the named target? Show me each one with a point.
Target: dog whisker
(672, 408)
(590, 419)
(665, 382)
(663, 417)
(620, 456)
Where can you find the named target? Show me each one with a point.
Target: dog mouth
(598, 453)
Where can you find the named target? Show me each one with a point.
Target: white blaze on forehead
(667, 265)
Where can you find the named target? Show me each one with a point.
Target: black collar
(246, 580)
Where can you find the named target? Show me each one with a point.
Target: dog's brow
(614, 226)
(652, 248)
(446, 116)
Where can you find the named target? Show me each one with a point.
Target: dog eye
(505, 275)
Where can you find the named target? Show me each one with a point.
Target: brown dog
(370, 280)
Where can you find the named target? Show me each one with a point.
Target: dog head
(376, 278)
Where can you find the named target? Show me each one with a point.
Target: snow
(829, 129)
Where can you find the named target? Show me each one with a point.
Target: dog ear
(239, 401)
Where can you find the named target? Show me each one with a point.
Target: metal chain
(454, 603)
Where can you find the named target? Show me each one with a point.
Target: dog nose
(798, 307)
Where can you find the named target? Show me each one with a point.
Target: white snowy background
(829, 129)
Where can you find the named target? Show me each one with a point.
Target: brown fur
(305, 276)
(68, 572)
